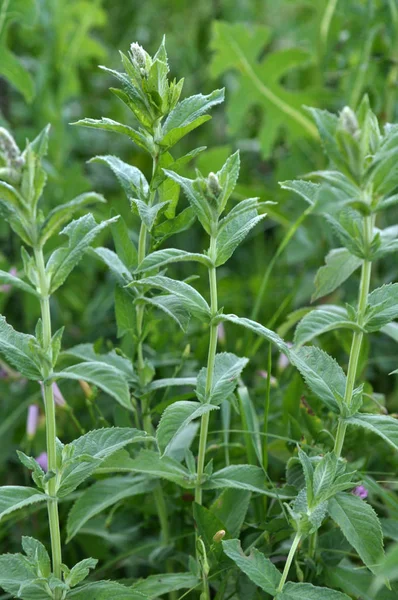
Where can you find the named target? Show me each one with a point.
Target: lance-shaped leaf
(15, 497)
(107, 377)
(246, 477)
(227, 177)
(173, 307)
(130, 178)
(234, 228)
(104, 590)
(308, 190)
(148, 214)
(190, 298)
(193, 189)
(188, 115)
(161, 258)
(321, 321)
(89, 451)
(115, 265)
(384, 426)
(181, 222)
(258, 329)
(175, 418)
(13, 281)
(61, 214)
(80, 571)
(227, 368)
(151, 463)
(16, 572)
(103, 494)
(307, 591)
(139, 138)
(256, 566)
(87, 353)
(157, 585)
(22, 351)
(125, 249)
(81, 233)
(340, 264)
(382, 307)
(360, 525)
(321, 373)
(124, 312)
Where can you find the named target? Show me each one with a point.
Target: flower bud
(348, 121)
(42, 460)
(58, 397)
(218, 536)
(9, 148)
(32, 420)
(360, 491)
(139, 56)
(213, 184)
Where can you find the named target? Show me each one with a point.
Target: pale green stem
(51, 435)
(204, 426)
(356, 338)
(326, 21)
(289, 561)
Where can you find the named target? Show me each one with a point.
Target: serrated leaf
(173, 307)
(164, 583)
(16, 571)
(384, 426)
(148, 214)
(245, 477)
(81, 233)
(320, 321)
(80, 571)
(256, 566)
(108, 378)
(231, 507)
(15, 497)
(308, 190)
(175, 418)
(151, 463)
(258, 329)
(86, 352)
(190, 298)
(103, 494)
(38, 555)
(227, 368)
(188, 115)
(161, 258)
(130, 178)
(307, 591)
(57, 217)
(233, 229)
(22, 351)
(181, 222)
(104, 590)
(360, 525)
(193, 189)
(109, 125)
(339, 265)
(124, 312)
(114, 264)
(9, 279)
(382, 306)
(125, 248)
(99, 445)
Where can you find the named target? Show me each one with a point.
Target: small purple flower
(264, 375)
(221, 333)
(58, 397)
(360, 491)
(42, 460)
(7, 286)
(32, 420)
(283, 360)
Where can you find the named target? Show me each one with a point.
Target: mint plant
(37, 357)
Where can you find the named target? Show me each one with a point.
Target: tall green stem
(289, 561)
(204, 426)
(356, 338)
(52, 504)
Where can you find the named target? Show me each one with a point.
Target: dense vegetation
(197, 278)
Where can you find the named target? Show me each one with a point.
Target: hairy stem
(289, 561)
(49, 405)
(356, 338)
(204, 426)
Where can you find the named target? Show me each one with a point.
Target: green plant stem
(356, 338)
(289, 561)
(326, 21)
(49, 404)
(204, 426)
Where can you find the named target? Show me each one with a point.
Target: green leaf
(80, 571)
(245, 477)
(12, 70)
(109, 125)
(125, 313)
(148, 214)
(104, 590)
(86, 352)
(81, 233)
(340, 264)
(16, 282)
(322, 374)
(258, 329)
(130, 178)
(207, 525)
(382, 425)
(14, 497)
(307, 591)
(308, 190)
(108, 378)
(173, 307)
(194, 303)
(103, 494)
(360, 525)
(164, 583)
(227, 369)
(227, 177)
(188, 115)
(61, 214)
(22, 351)
(161, 258)
(125, 248)
(234, 228)
(382, 307)
(181, 222)
(153, 464)
(90, 450)
(115, 265)
(231, 507)
(321, 321)
(193, 189)
(37, 554)
(17, 572)
(256, 566)
(175, 418)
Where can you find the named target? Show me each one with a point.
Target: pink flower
(264, 375)
(42, 460)
(360, 491)
(283, 360)
(58, 397)
(221, 333)
(6, 287)
(32, 420)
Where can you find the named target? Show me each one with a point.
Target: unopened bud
(32, 420)
(187, 351)
(213, 184)
(348, 121)
(217, 537)
(9, 148)
(86, 388)
(42, 460)
(138, 55)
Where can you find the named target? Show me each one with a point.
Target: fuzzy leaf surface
(227, 368)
